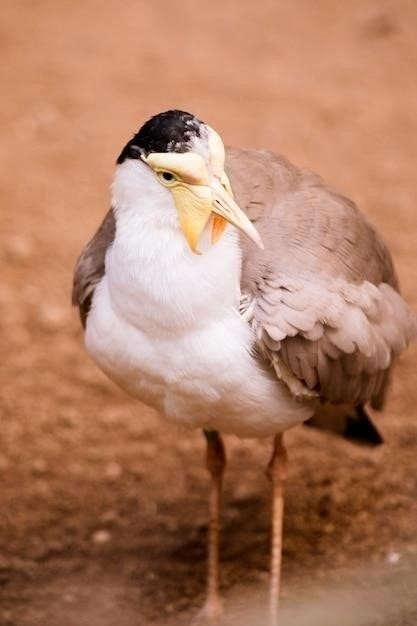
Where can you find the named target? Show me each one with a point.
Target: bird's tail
(352, 423)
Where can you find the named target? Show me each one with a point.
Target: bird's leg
(277, 472)
(215, 462)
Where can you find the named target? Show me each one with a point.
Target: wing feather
(327, 311)
(90, 265)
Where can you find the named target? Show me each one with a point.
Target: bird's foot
(211, 612)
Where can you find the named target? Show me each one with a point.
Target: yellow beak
(197, 203)
(225, 207)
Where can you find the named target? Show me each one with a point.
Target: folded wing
(327, 312)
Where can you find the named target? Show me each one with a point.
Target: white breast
(165, 326)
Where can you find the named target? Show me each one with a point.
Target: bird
(235, 292)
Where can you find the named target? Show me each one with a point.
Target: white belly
(201, 377)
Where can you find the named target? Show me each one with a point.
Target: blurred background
(103, 505)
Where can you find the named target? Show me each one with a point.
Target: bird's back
(307, 227)
(328, 315)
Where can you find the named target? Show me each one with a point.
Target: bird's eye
(166, 177)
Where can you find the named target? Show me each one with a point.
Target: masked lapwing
(237, 293)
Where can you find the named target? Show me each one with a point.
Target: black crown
(171, 131)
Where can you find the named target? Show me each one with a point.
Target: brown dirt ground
(103, 506)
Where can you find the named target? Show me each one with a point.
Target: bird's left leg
(277, 472)
(215, 463)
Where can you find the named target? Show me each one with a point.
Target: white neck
(155, 281)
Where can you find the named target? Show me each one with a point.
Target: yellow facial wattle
(200, 193)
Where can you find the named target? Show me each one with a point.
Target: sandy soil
(103, 507)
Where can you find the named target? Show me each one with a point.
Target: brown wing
(90, 266)
(328, 314)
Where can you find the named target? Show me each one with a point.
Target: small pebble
(7, 617)
(37, 549)
(4, 562)
(137, 470)
(169, 608)
(148, 450)
(101, 536)
(39, 466)
(262, 576)
(393, 558)
(69, 416)
(4, 463)
(113, 470)
(69, 598)
(243, 491)
(184, 445)
(18, 248)
(52, 317)
(109, 516)
(329, 528)
(41, 488)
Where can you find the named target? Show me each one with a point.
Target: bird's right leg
(215, 463)
(277, 472)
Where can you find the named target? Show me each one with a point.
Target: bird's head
(186, 157)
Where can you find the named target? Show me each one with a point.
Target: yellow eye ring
(166, 178)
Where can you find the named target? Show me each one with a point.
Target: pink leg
(277, 472)
(215, 462)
